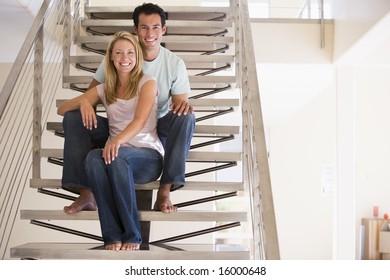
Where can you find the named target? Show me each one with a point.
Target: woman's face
(123, 56)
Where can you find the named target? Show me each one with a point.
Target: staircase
(204, 38)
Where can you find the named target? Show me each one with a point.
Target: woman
(133, 152)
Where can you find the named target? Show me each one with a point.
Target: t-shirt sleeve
(181, 84)
(100, 91)
(100, 74)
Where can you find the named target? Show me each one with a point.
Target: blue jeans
(113, 186)
(77, 144)
(175, 133)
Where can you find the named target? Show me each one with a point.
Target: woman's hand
(88, 114)
(110, 151)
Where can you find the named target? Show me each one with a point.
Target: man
(176, 121)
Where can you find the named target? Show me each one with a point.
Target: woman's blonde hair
(135, 75)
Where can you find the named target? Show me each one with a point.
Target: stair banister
(256, 168)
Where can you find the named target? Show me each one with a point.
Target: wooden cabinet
(373, 229)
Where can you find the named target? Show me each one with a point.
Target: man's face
(150, 31)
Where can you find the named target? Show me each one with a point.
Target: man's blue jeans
(113, 186)
(77, 144)
(175, 133)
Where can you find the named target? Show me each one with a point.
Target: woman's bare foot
(130, 246)
(114, 246)
(86, 201)
(163, 202)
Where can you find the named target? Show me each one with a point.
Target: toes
(113, 247)
(130, 247)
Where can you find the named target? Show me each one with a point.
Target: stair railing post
(322, 23)
(37, 106)
(67, 39)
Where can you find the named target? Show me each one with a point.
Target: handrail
(25, 103)
(257, 175)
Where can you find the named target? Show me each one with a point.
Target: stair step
(193, 79)
(165, 39)
(170, 10)
(201, 102)
(95, 251)
(203, 129)
(192, 156)
(127, 24)
(190, 186)
(181, 215)
(186, 58)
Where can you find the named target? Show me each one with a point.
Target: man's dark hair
(148, 9)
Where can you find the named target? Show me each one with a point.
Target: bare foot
(130, 246)
(114, 246)
(163, 202)
(86, 201)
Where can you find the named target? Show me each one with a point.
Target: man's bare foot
(163, 202)
(130, 246)
(114, 246)
(86, 201)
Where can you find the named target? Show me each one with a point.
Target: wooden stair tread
(210, 129)
(186, 58)
(190, 186)
(193, 79)
(167, 251)
(200, 102)
(128, 23)
(192, 155)
(165, 39)
(206, 129)
(168, 9)
(181, 215)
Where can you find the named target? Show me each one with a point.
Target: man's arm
(93, 84)
(180, 91)
(98, 77)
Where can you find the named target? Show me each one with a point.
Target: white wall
(302, 153)
(372, 142)
(352, 132)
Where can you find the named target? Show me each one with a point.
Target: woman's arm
(144, 107)
(86, 103)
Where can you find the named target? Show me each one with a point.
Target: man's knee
(72, 116)
(188, 119)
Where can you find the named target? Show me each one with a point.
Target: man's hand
(180, 105)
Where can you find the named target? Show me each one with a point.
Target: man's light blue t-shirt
(170, 73)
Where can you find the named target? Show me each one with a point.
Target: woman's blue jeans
(175, 133)
(113, 186)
